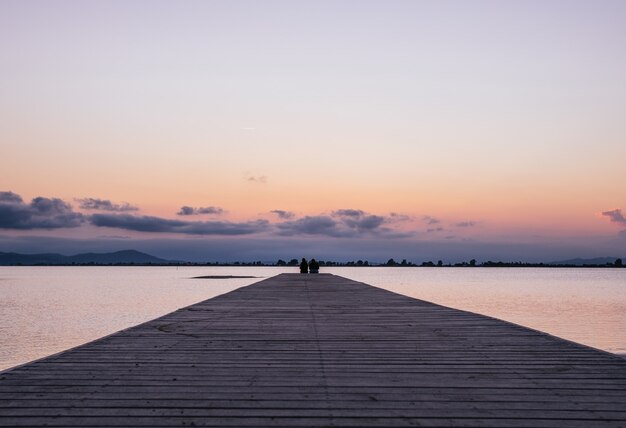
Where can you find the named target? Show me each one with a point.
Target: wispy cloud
(468, 223)
(40, 213)
(163, 225)
(260, 179)
(430, 220)
(104, 205)
(186, 210)
(285, 215)
(615, 216)
(397, 217)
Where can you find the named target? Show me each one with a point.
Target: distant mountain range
(117, 257)
(581, 262)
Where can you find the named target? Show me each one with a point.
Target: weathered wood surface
(319, 350)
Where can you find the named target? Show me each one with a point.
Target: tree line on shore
(618, 263)
(404, 263)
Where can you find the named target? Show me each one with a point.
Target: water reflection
(584, 305)
(44, 310)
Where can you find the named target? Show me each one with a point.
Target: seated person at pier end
(304, 266)
(314, 266)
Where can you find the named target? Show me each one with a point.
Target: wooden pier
(315, 351)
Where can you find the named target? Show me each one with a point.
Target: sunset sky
(253, 130)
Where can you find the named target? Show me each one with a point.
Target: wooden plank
(319, 350)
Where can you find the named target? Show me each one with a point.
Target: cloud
(615, 216)
(185, 210)
(366, 222)
(341, 223)
(10, 197)
(260, 179)
(359, 219)
(285, 215)
(104, 205)
(162, 225)
(397, 217)
(348, 213)
(466, 224)
(434, 229)
(430, 220)
(41, 213)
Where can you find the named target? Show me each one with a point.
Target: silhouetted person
(304, 266)
(314, 266)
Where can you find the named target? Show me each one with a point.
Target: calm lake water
(44, 310)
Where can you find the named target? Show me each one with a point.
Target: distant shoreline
(334, 264)
(137, 258)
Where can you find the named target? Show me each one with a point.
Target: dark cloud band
(52, 213)
(162, 225)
